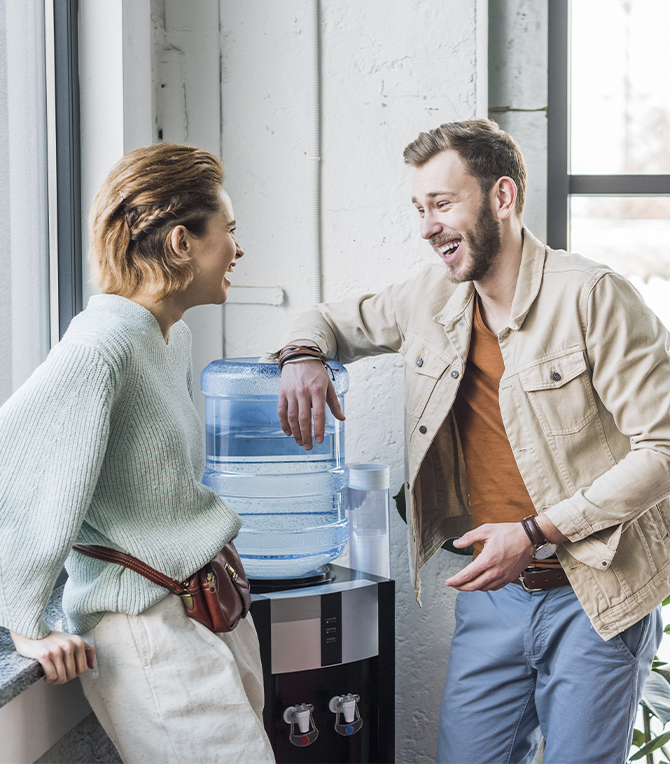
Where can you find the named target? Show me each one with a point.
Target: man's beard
(484, 245)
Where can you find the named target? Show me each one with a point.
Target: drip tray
(322, 575)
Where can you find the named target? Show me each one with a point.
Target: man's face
(456, 217)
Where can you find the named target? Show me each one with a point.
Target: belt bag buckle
(525, 587)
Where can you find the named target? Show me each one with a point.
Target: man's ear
(503, 197)
(179, 239)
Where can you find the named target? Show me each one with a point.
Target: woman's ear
(179, 240)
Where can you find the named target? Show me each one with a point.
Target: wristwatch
(543, 548)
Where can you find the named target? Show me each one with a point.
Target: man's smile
(447, 249)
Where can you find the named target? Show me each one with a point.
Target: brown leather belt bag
(217, 595)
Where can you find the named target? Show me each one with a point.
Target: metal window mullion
(67, 146)
(558, 124)
(620, 185)
(52, 190)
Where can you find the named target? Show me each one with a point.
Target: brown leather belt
(538, 579)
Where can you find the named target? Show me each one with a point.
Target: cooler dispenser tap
(302, 716)
(347, 706)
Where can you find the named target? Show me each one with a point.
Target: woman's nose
(239, 251)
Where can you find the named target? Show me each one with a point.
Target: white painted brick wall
(390, 68)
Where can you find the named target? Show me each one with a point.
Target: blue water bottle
(291, 501)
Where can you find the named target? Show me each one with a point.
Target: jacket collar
(527, 286)
(529, 281)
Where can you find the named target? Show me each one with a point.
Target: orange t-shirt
(497, 491)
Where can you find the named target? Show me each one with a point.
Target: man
(538, 430)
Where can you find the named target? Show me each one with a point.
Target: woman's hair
(149, 192)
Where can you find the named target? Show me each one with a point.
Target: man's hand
(304, 391)
(62, 656)
(507, 551)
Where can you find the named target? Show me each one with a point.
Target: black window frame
(68, 161)
(561, 184)
(68, 241)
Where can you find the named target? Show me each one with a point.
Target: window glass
(24, 289)
(619, 93)
(631, 234)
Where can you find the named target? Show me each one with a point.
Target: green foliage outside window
(655, 705)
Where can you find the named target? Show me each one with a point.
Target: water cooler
(326, 631)
(329, 669)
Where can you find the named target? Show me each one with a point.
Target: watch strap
(525, 526)
(530, 525)
(532, 519)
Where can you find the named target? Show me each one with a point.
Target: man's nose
(429, 225)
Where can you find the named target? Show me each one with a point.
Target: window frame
(65, 235)
(561, 184)
(64, 169)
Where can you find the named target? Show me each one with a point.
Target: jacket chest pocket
(424, 368)
(560, 393)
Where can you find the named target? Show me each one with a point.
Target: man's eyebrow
(433, 194)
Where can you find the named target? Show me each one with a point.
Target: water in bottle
(291, 501)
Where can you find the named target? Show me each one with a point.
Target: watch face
(544, 551)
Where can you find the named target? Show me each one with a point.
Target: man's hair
(149, 192)
(487, 151)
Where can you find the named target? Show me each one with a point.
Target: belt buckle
(523, 584)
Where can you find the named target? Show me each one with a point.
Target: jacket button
(419, 362)
(604, 563)
(454, 374)
(423, 430)
(460, 323)
(556, 376)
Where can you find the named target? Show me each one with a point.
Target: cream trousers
(168, 691)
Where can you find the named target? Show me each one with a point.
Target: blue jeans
(529, 665)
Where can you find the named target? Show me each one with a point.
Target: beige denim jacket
(585, 400)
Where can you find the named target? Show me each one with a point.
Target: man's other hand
(304, 391)
(507, 552)
(62, 656)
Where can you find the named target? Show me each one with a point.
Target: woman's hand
(62, 656)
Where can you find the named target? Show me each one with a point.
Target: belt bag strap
(217, 595)
(120, 558)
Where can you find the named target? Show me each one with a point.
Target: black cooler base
(326, 642)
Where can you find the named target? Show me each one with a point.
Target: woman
(102, 445)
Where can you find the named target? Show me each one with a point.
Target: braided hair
(143, 221)
(149, 192)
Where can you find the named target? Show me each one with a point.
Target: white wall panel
(187, 109)
(389, 68)
(37, 718)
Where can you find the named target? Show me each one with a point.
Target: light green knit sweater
(102, 445)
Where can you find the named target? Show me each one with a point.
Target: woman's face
(214, 256)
